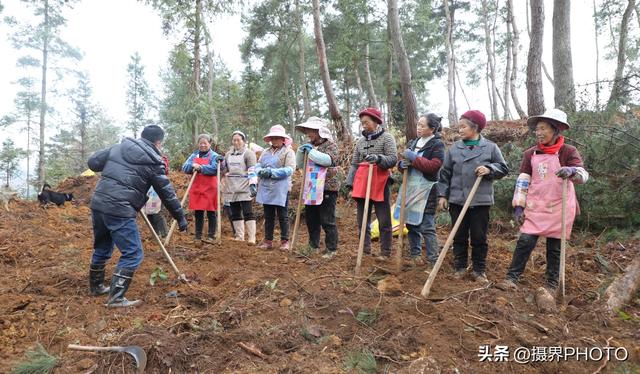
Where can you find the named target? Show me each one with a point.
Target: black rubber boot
(96, 280)
(120, 282)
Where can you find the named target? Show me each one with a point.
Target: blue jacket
(210, 169)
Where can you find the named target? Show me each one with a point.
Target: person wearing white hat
(274, 169)
(321, 183)
(241, 186)
(537, 197)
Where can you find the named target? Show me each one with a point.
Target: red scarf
(552, 149)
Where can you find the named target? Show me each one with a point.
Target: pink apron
(543, 213)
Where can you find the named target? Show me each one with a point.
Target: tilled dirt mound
(247, 310)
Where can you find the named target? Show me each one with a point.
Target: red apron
(204, 190)
(543, 213)
(379, 180)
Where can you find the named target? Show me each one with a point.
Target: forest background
(77, 76)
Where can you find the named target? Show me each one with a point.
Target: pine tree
(138, 95)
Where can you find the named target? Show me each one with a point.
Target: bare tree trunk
(408, 98)
(515, 46)
(451, 83)
(196, 65)
(507, 73)
(389, 85)
(564, 93)
(371, 93)
(301, 63)
(620, 83)
(595, 24)
(356, 74)
(535, 96)
(347, 98)
(28, 147)
(488, 41)
(623, 288)
(211, 78)
(287, 97)
(43, 94)
(461, 87)
(343, 132)
(544, 66)
(212, 107)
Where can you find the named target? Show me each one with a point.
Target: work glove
(404, 164)
(410, 155)
(182, 224)
(306, 148)
(253, 190)
(518, 215)
(566, 172)
(373, 159)
(264, 173)
(219, 158)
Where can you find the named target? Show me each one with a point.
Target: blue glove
(404, 164)
(566, 172)
(410, 155)
(518, 215)
(253, 190)
(306, 148)
(374, 159)
(219, 158)
(182, 224)
(265, 173)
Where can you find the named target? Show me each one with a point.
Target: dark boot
(96, 280)
(120, 282)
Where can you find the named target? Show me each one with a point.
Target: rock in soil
(390, 286)
(545, 301)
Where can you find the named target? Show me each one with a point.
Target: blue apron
(418, 189)
(272, 191)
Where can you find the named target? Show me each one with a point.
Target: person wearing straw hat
(537, 199)
(423, 157)
(202, 196)
(377, 147)
(274, 169)
(321, 184)
(471, 157)
(241, 186)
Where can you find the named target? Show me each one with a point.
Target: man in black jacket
(128, 170)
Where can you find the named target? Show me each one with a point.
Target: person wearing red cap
(378, 147)
(537, 198)
(468, 158)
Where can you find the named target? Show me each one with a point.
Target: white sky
(108, 32)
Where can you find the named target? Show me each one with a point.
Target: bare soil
(299, 312)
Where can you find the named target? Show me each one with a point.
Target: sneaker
(383, 258)
(507, 285)
(267, 244)
(328, 255)
(479, 277)
(417, 261)
(460, 273)
(284, 245)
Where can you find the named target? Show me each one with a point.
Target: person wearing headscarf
(274, 169)
(471, 157)
(321, 183)
(376, 147)
(204, 190)
(423, 157)
(537, 198)
(241, 186)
